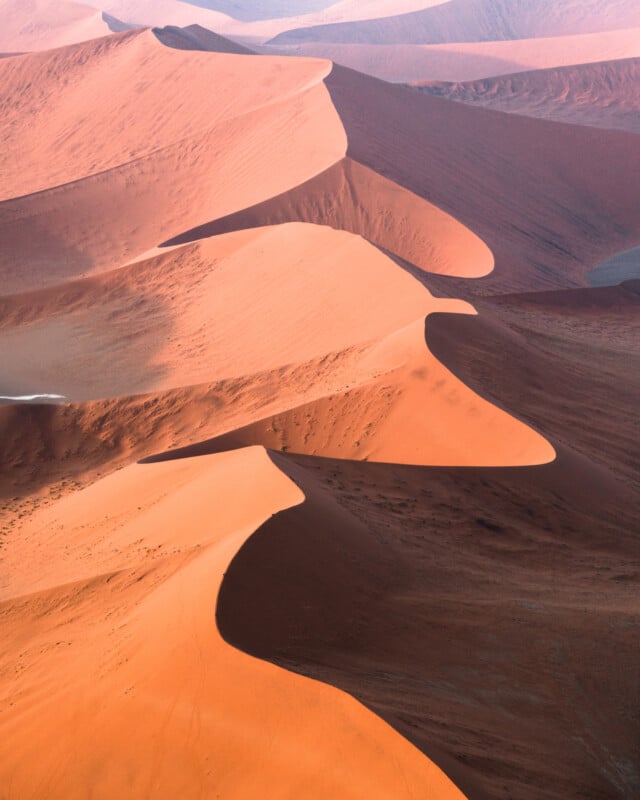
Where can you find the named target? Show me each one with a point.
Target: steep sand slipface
(465, 61)
(604, 95)
(482, 602)
(519, 184)
(258, 137)
(113, 621)
(411, 410)
(354, 198)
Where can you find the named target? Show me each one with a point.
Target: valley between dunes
(339, 494)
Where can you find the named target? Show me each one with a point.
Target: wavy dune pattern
(319, 456)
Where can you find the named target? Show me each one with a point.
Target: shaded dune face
(604, 95)
(351, 197)
(502, 593)
(520, 184)
(195, 37)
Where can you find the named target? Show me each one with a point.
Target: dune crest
(128, 574)
(351, 197)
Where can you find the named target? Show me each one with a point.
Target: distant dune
(604, 95)
(405, 63)
(195, 37)
(41, 24)
(476, 21)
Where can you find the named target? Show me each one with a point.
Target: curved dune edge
(115, 588)
(352, 197)
(173, 319)
(42, 24)
(410, 410)
(157, 180)
(162, 324)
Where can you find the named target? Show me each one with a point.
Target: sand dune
(41, 24)
(404, 415)
(473, 60)
(164, 12)
(130, 633)
(151, 98)
(171, 321)
(478, 20)
(604, 95)
(145, 162)
(499, 594)
(207, 250)
(471, 163)
(500, 175)
(354, 198)
(195, 37)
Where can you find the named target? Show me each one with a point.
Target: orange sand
(120, 685)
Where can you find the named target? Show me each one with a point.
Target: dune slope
(145, 162)
(520, 184)
(128, 585)
(501, 633)
(42, 24)
(604, 95)
(354, 198)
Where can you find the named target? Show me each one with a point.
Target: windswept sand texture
(604, 95)
(325, 478)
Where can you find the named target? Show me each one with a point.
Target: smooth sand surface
(405, 414)
(172, 321)
(351, 197)
(548, 199)
(604, 95)
(309, 292)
